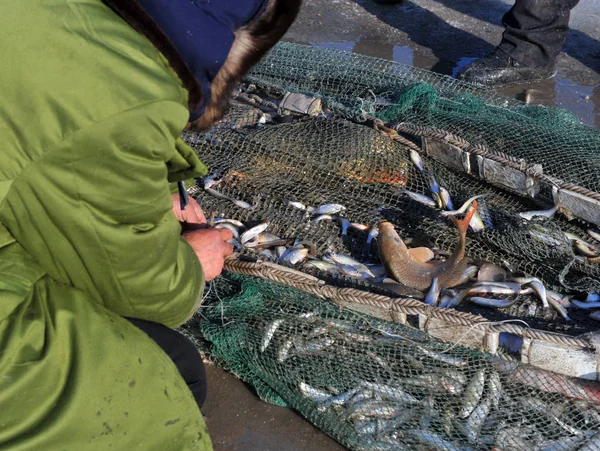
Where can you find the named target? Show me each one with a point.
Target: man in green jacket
(94, 270)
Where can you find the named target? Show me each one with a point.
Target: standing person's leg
(535, 31)
(182, 352)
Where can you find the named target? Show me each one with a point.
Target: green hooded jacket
(87, 235)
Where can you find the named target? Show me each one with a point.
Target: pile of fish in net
(374, 385)
(305, 181)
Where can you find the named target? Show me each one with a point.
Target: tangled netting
(278, 157)
(373, 385)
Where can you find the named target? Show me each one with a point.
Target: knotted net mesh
(370, 383)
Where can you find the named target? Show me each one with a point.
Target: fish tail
(463, 224)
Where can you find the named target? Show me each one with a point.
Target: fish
(269, 332)
(453, 360)
(595, 235)
(229, 226)
(435, 190)
(313, 393)
(211, 180)
(253, 232)
(340, 399)
(488, 272)
(421, 198)
(358, 226)
(233, 222)
(284, 350)
(375, 408)
(566, 444)
(476, 420)
(469, 272)
(306, 347)
(433, 294)
(592, 297)
(529, 215)
(472, 394)
(322, 265)
(417, 160)
(446, 200)
(585, 305)
(294, 256)
(344, 225)
(323, 217)
(328, 209)
(538, 286)
(351, 271)
(593, 444)
(488, 302)
(404, 268)
(476, 223)
(464, 207)
(542, 235)
(390, 393)
(431, 439)
(239, 203)
(495, 389)
(298, 205)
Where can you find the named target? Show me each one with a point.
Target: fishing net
(375, 385)
(349, 138)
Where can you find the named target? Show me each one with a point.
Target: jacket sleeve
(96, 212)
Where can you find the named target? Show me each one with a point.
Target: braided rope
(340, 296)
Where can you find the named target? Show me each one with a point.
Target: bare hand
(192, 214)
(211, 248)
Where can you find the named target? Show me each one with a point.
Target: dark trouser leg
(535, 31)
(182, 352)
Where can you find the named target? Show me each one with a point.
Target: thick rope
(341, 296)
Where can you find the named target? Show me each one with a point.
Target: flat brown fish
(402, 265)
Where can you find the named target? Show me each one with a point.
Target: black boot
(498, 69)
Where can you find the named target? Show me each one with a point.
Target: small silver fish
(585, 305)
(374, 408)
(390, 393)
(298, 205)
(323, 217)
(210, 180)
(295, 256)
(469, 273)
(595, 235)
(453, 360)
(373, 233)
(476, 420)
(417, 160)
(495, 388)
(322, 265)
(567, 443)
(592, 297)
(446, 200)
(340, 399)
(284, 350)
(328, 209)
(344, 225)
(313, 393)
(431, 439)
(310, 346)
(228, 226)
(476, 223)
(269, 332)
(463, 209)
(253, 232)
(234, 222)
(529, 215)
(488, 302)
(472, 394)
(433, 294)
(538, 286)
(421, 198)
(351, 271)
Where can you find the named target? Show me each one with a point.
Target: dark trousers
(535, 31)
(182, 352)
